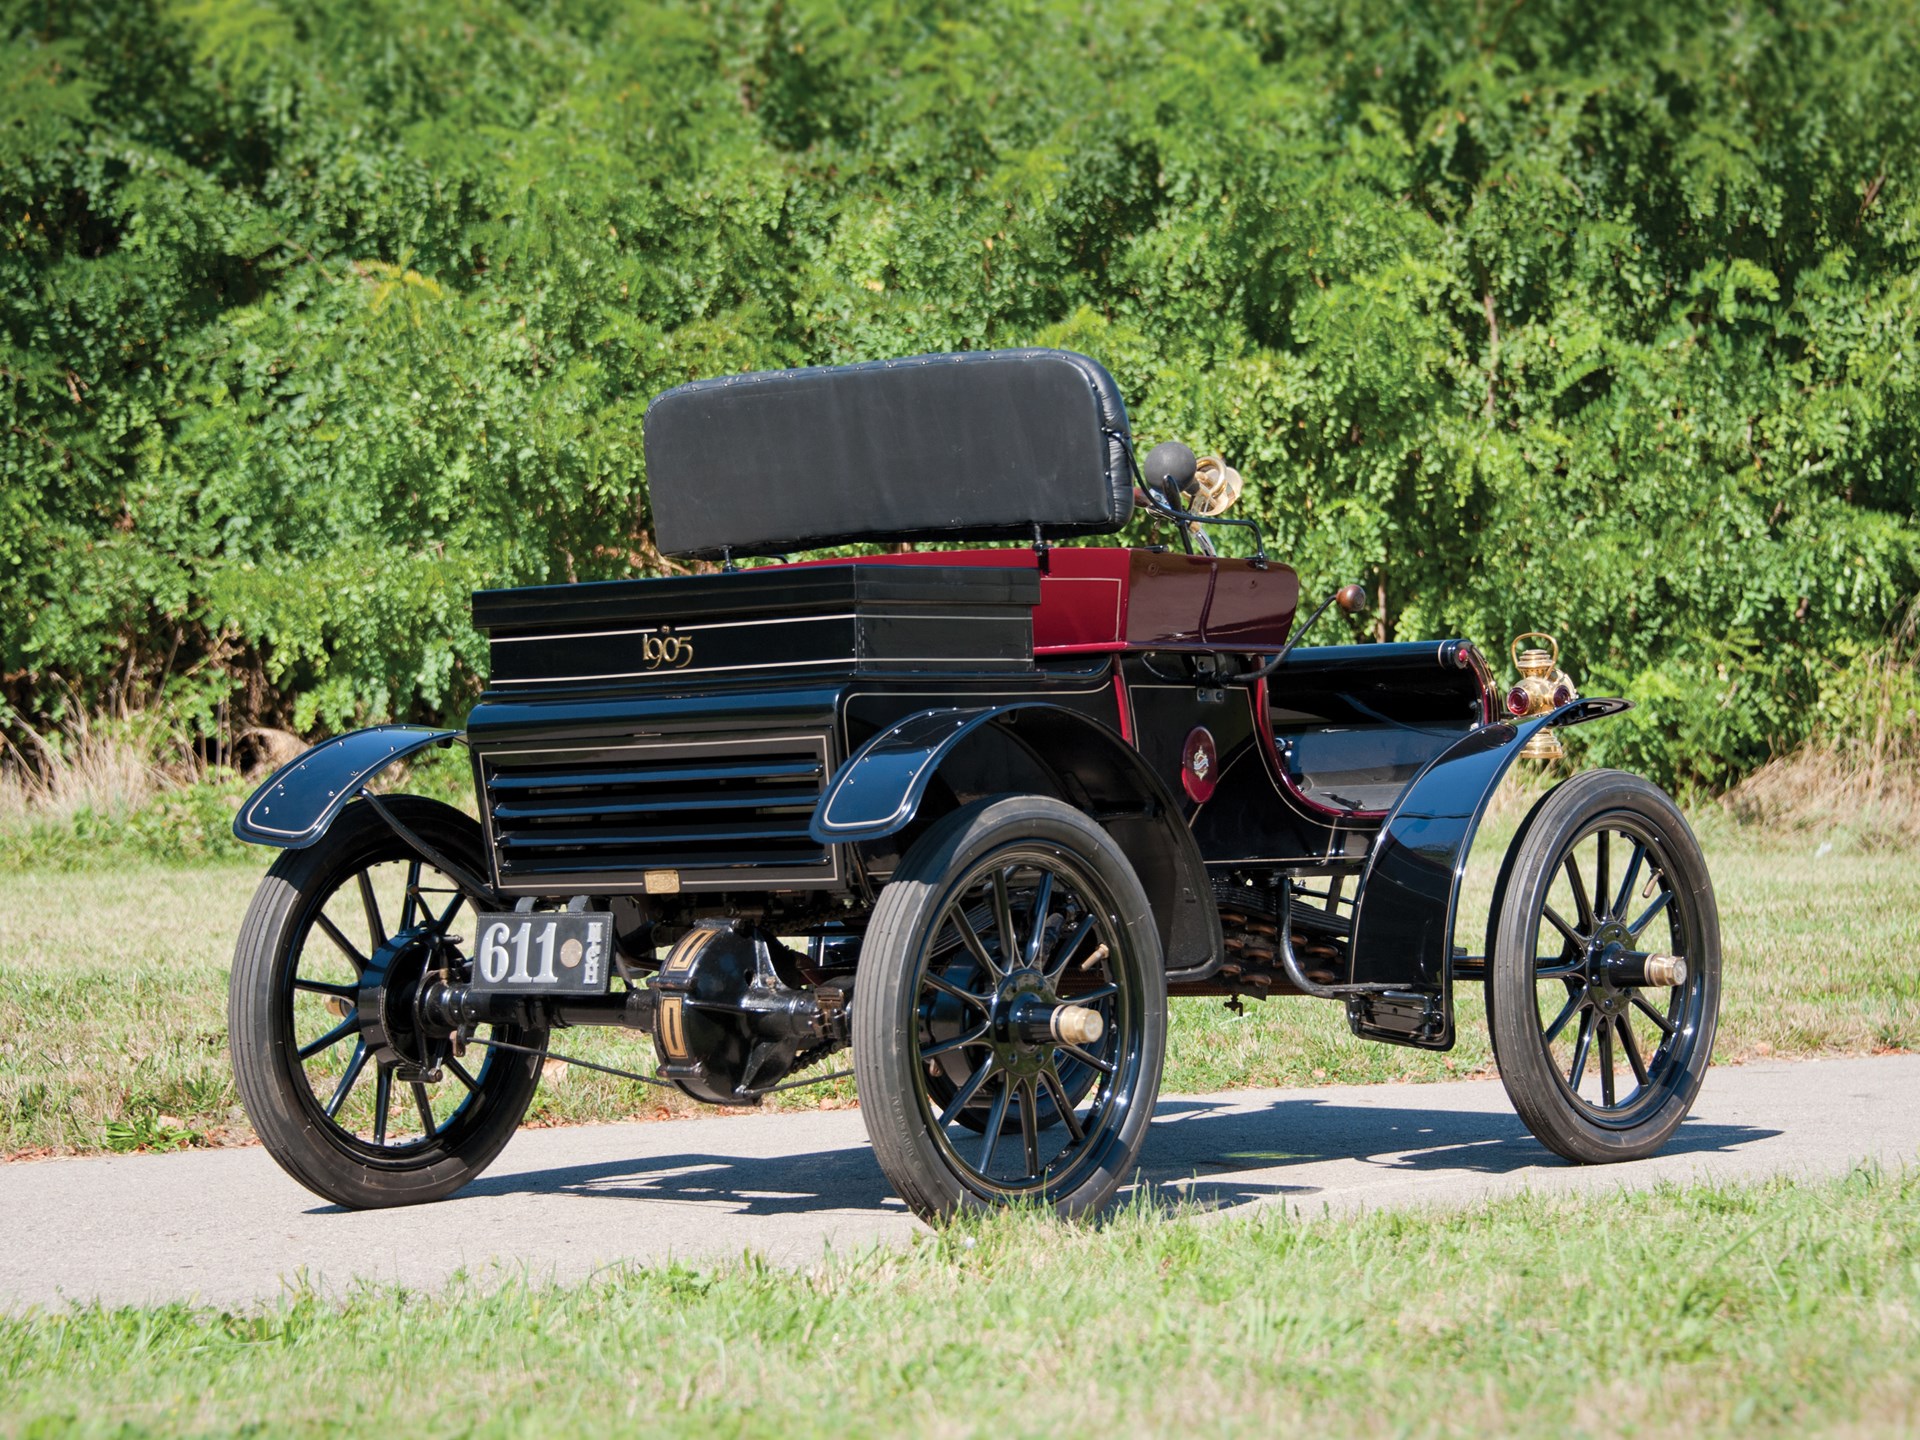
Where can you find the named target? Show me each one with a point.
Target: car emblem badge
(1199, 764)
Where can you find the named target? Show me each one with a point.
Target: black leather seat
(1353, 725)
(978, 446)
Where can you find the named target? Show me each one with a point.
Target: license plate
(545, 953)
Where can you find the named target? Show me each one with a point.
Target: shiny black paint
(300, 799)
(923, 742)
(883, 787)
(824, 619)
(880, 787)
(1403, 919)
(1353, 724)
(500, 720)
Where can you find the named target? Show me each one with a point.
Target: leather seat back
(977, 446)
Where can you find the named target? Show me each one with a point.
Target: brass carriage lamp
(1544, 687)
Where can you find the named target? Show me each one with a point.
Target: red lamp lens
(1518, 700)
(1562, 695)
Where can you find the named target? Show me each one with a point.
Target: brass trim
(673, 1033)
(1666, 970)
(680, 959)
(1545, 687)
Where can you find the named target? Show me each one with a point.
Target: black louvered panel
(725, 812)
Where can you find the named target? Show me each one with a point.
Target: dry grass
(113, 765)
(1858, 783)
(88, 766)
(1849, 799)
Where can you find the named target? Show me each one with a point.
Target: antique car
(972, 813)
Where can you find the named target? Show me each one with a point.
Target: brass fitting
(1076, 1025)
(1544, 687)
(1666, 970)
(1216, 485)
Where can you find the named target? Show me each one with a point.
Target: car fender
(1409, 894)
(297, 803)
(879, 790)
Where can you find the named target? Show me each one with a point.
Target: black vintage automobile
(973, 813)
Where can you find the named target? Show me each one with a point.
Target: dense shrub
(1596, 318)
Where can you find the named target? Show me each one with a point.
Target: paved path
(226, 1227)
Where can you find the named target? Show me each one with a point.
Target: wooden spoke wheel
(1604, 986)
(1010, 1013)
(346, 1087)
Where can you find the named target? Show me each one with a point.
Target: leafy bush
(1598, 319)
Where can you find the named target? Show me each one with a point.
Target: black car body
(763, 775)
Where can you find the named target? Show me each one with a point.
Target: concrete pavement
(226, 1227)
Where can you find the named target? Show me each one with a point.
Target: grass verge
(1772, 1309)
(113, 1001)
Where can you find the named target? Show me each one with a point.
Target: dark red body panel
(1102, 599)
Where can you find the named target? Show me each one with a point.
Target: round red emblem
(1199, 765)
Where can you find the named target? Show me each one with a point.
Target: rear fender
(1401, 955)
(879, 790)
(300, 799)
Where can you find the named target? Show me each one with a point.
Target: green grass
(113, 1000)
(1775, 1309)
(117, 809)
(1815, 962)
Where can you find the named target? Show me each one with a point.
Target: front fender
(1402, 947)
(300, 799)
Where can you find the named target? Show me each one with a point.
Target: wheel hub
(1017, 1000)
(1605, 958)
(387, 999)
(1027, 1021)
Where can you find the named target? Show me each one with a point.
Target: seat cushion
(977, 446)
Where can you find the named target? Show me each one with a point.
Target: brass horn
(1216, 485)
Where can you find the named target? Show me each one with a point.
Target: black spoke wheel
(954, 1041)
(1010, 1013)
(1604, 987)
(347, 1087)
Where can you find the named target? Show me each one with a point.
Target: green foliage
(179, 825)
(1600, 320)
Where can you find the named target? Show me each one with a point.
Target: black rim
(379, 1083)
(1022, 939)
(1615, 1042)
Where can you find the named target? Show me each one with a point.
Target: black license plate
(543, 953)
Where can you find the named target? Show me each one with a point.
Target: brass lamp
(1544, 687)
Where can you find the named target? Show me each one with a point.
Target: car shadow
(847, 1180)
(1217, 1155)
(1197, 1137)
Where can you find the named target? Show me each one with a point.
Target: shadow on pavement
(1193, 1140)
(1191, 1143)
